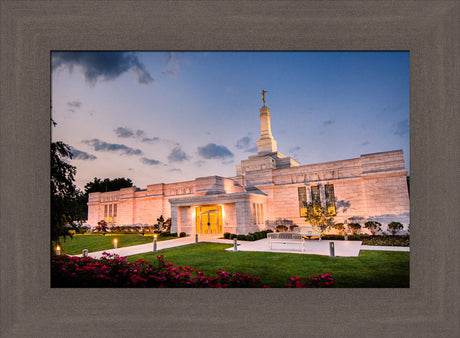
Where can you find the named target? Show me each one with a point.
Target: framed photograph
(34, 33)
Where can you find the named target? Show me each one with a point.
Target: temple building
(268, 188)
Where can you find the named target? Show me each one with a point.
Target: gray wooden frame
(31, 29)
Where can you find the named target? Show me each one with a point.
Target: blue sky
(161, 117)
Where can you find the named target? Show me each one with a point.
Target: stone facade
(268, 188)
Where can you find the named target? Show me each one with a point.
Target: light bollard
(331, 249)
(115, 244)
(235, 245)
(154, 243)
(58, 250)
(85, 253)
(196, 238)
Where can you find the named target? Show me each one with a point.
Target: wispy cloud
(150, 140)
(99, 145)
(105, 66)
(82, 155)
(73, 106)
(401, 128)
(247, 144)
(124, 132)
(228, 162)
(175, 170)
(199, 163)
(172, 66)
(213, 151)
(150, 161)
(365, 143)
(243, 143)
(328, 123)
(177, 155)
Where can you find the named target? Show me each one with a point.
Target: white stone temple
(268, 188)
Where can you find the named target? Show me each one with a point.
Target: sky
(163, 117)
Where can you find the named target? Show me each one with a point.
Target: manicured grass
(98, 242)
(371, 269)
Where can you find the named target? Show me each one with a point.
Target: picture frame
(32, 29)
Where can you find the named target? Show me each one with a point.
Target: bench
(285, 237)
(309, 231)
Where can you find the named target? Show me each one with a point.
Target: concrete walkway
(312, 247)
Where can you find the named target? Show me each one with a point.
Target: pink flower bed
(114, 271)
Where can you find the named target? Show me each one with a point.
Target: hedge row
(253, 236)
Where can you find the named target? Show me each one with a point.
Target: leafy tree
(64, 194)
(160, 223)
(395, 227)
(373, 226)
(318, 216)
(340, 227)
(98, 185)
(354, 227)
(102, 226)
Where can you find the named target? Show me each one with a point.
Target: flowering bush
(323, 281)
(114, 271)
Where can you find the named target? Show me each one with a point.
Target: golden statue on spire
(263, 96)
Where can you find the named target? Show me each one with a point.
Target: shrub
(354, 227)
(250, 237)
(227, 235)
(165, 234)
(281, 228)
(395, 227)
(373, 226)
(232, 236)
(340, 227)
(182, 234)
(173, 234)
(241, 237)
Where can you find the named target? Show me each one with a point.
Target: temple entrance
(209, 220)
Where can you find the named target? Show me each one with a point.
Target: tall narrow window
(315, 194)
(110, 213)
(114, 213)
(261, 214)
(105, 212)
(254, 213)
(302, 192)
(330, 198)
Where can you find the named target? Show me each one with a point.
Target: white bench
(285, 237)
(309, 231)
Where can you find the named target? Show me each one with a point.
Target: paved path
(315, 247)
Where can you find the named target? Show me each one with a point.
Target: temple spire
(266, 142)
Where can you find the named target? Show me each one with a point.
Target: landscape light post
(196, 238)
(155, 243)
(331, 249)
(85, 253)
(235, 245)
(58, 250)
(115, 243)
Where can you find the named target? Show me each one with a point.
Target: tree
(98, 185)
(354, 227)
(373, 226)
(318, 216)
(395, 227)
(64, 194)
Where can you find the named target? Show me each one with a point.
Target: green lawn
(371, 269)
(98, 242)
